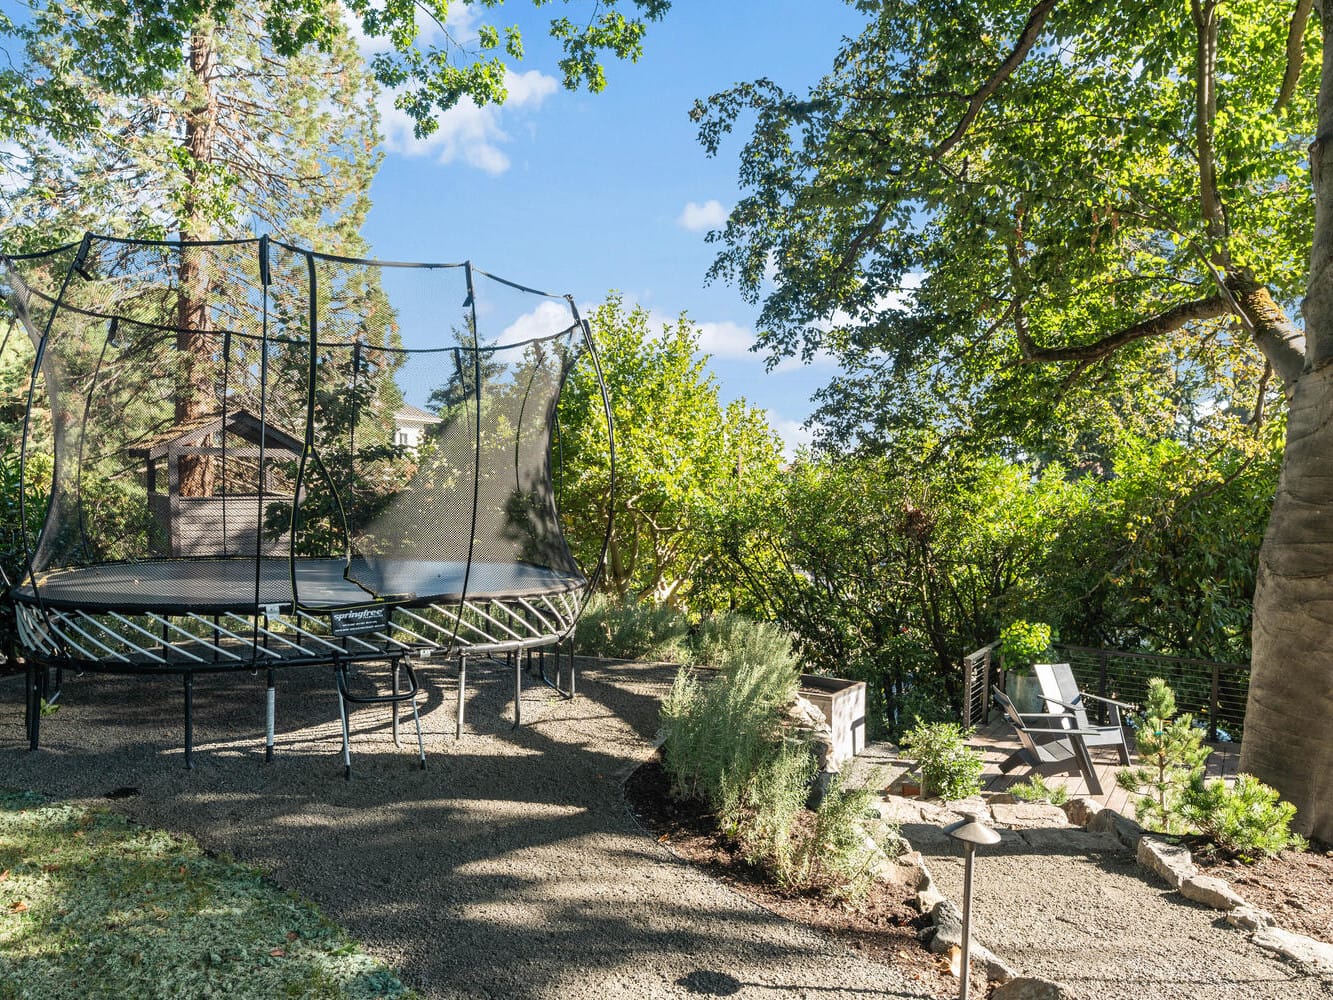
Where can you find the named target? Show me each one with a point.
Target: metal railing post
(1213, 706)
(1101, 685)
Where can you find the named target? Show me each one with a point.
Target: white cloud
(467, 133)
(725, 339)
(793, 433)
(698, 218)
(548, 318)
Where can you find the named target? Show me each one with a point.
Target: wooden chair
(1060, 691)
(1048, 749)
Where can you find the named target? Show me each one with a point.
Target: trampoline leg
(342, 715)
(34, 709)
(270, 698)
(394, 703)
(421, 744)
(189, 719)
(571, 667)
(518, 689)
(462, 680)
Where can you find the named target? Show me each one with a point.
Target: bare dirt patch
(883, 927)
(1295, 886)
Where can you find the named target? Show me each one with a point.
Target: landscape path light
(972, 833)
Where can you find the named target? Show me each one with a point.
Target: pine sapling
(1172, 754)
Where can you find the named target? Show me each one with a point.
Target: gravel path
(1075, 906)
(511, 869)
(508, 869)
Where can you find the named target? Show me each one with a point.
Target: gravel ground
(1074, 906)
(509, 868)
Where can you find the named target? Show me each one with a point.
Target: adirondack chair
(1046, 745)
(1060, 692)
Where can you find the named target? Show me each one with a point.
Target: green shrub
(721, 734)
(1035, 789)
(949, 768)
(1173, 756)
(1246, 821)
(720, 639)
(767, 826)
(1022, 642)
(726, 744)
(631, 630)
(833, 856)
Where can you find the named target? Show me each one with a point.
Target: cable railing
(1214, 693)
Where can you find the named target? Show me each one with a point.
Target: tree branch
(1205, 114)
(1212, 307)
(1026, 39)
(1295, 52)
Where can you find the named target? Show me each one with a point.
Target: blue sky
(584, 193)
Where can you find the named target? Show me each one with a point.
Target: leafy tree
(1088, 199)
(683, 460)
(134, 49)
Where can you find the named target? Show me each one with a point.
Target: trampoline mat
(217, 585)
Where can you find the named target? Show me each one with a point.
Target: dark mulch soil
(884, 926)
(1295, 886)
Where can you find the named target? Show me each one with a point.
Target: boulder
(1124, 830)
(1171, 861)
(1080, 810)
(1028, 815)
(1030, 988)
(1313, 955)
(948, 933)
(1250, 918)
(1210, 891)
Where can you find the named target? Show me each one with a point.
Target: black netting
(247, 424)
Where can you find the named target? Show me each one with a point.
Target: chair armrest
(1057, 701)
(1044, 715)
(1062, 732)
(1108, 701)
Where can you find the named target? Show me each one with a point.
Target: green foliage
(887, 573)
(726, 745)
(1078, 196)
(630, 630)
(1172, 757)
(133, 50)
(684, 461)
(110, 909)
(833, 854)
(725, 637)
(1035, 789)
(720, 735)
(1022, 642)
(949, 768)
(768, 827)
(1245, 820)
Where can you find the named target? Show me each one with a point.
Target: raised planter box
(843, 704)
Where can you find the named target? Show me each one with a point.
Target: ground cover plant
(94, 906)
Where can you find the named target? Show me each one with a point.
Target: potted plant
(1022, 644)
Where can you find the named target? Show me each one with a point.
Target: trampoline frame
(56, 636)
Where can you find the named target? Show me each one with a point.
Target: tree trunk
(195, 374)
(1288, 738)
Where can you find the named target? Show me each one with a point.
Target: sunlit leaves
(1071, 205)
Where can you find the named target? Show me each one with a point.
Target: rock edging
(1174, 864)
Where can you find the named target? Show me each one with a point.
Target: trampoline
(261, 456)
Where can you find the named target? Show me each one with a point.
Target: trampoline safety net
(249, 430)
